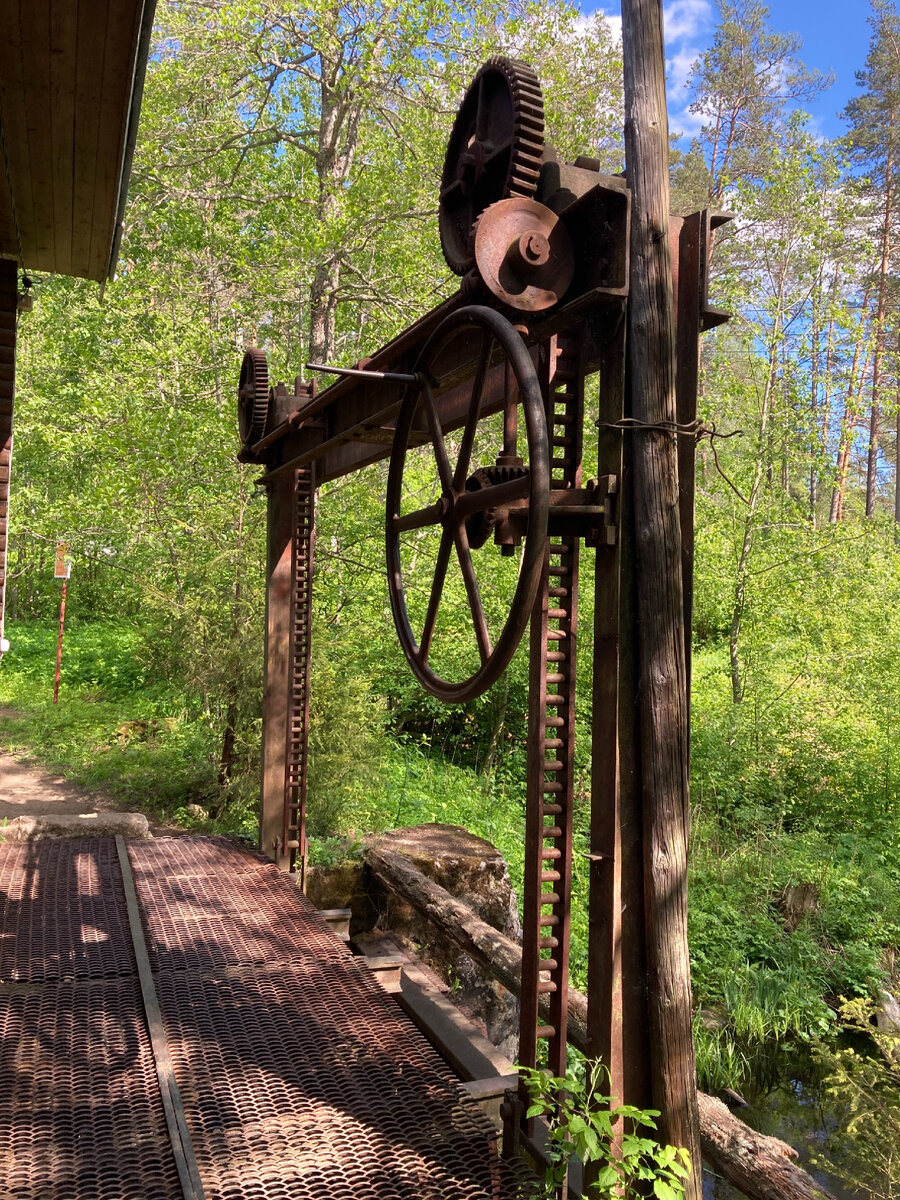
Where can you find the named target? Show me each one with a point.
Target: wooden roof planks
(71, 73)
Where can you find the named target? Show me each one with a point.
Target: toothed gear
(253, 396)
(495, 151)
(480, 526)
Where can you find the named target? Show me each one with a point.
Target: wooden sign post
(61, 570)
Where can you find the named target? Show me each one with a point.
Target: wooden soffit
(71, 77)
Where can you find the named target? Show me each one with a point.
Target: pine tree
(874, 138)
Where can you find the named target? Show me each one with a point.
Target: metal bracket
(604, 490)
(511, 1115)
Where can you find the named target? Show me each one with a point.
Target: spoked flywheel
(508, 496)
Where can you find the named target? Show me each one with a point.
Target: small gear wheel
(495, 151)
(253, 396)
(480, 526)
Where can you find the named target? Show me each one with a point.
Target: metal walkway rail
(298, 1075)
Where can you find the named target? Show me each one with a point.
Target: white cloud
(678, 68)
(686, 19)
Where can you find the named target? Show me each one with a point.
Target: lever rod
(355, 373)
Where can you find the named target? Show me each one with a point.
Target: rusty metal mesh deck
(299, 1075)
(80, 1112)
(243, 913)
(62, 911)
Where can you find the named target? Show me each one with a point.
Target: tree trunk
(883, 269)
(759, 473)
(848, 424)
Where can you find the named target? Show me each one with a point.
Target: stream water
(793, 1112)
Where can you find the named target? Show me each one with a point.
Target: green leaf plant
(582, 1118)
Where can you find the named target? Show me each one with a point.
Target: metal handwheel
(472, 505)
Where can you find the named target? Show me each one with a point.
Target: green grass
(118, 729)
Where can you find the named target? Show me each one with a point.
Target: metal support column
(279, 578)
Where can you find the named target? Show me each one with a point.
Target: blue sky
(835, 37)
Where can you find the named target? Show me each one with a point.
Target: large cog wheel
(495, 151)
(253, 396)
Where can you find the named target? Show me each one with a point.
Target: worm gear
(495, 151)
(253, 396)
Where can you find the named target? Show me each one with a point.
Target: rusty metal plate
(190, 856)
(62, 913)
(80, 1114)
(202, 916)
(309, 1082)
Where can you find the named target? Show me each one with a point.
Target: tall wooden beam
(662, 692)
(8, 291)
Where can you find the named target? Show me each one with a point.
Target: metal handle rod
(355, 373)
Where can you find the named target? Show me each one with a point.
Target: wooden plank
(688, 290)
(179, 1135)
(617, 1018)
(13, 98)
(457, 1041)
(122, 33)
(63, 26)
(38, 98)
(92, 26)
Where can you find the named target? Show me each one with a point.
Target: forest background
(284, 195)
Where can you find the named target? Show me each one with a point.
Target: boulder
(474, 871)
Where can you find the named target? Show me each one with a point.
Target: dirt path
(27, 789)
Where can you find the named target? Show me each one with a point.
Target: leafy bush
(581, 1121)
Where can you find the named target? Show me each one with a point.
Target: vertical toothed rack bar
(548, 822)
(302, 542)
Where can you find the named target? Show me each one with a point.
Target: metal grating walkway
(299, 1076)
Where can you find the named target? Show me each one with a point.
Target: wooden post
(662, 692)
(8, 295)
(59, 641)
(279, 575)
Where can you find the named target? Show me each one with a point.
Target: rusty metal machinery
(481, 406)
(253, 396)
(495, 151)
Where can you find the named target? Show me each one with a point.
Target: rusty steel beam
(276, 696)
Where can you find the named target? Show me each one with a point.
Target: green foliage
(582, 1123)
(119, 728)
(863, 1086)
(344, 749)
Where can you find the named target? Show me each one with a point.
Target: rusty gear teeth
(495, 150)
(253, 396)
